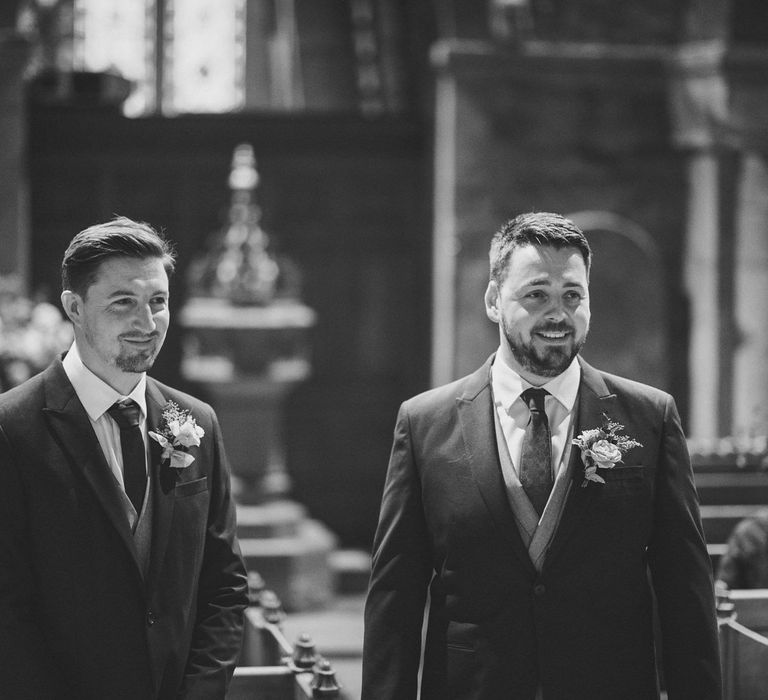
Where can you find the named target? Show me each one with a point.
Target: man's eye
(535, 295)
(121, 302)
(574, 296)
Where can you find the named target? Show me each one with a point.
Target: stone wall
(14, 51)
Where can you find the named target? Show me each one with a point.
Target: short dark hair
(539, 229)
(120, 237)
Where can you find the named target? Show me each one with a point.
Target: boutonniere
(178, 432)
(602, 448)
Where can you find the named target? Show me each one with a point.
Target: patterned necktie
(536, 457)
(127, 416)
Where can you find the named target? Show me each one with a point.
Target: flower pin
(178, 432)
(602, 448)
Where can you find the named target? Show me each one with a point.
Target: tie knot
(534, 399)
(126, 415)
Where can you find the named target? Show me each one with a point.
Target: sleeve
(400, 574)
(25, 673)
(222, 592)
(682, 573)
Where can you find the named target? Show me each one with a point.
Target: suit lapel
(475, 409)
(594, 400)
(163, 481)
(73, 430)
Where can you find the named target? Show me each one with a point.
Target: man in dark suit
(120, 574)
(541, 555)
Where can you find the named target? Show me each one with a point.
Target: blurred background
(390, 139)
(332, 171)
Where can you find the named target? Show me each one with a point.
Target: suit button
(151, 618)
(539, 590)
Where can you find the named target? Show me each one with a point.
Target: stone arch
(628, 334)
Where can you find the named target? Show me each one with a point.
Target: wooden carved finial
(324, 684)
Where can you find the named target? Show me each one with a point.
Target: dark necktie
(127, 416)
(536, 457)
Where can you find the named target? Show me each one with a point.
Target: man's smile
(553, 336)
(140, 341)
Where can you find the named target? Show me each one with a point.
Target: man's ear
(492, 301)
(72, 304)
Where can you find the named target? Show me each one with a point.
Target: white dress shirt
(97, 396)
(514, 414)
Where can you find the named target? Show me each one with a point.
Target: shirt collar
(94, 393)
(508, 384)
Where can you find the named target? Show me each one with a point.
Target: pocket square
(189, 488)
(624, 472)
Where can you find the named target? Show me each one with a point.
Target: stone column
(698, 104)
(444, 235)
(702, 282)
(14, 217)
(746, 125)
(750, 390)
(719, 102)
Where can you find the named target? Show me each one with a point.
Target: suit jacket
(77, 619)
(583, 628)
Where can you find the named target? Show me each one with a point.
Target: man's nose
(556, 310)
(144, 319)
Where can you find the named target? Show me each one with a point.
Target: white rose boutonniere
(176, 434)
(602, 448)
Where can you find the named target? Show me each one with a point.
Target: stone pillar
(750, 391)
(698, 101)
(14, 216)
(719, 102)
(745, 69)
(444, 233)
(702, 275)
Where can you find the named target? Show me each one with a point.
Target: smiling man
(120, 573)
(121, 319)
(541, 503)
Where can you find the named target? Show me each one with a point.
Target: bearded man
(120, 573)
(536, 507)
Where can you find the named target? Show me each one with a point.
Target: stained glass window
(182, 55)
(119, 36)
(204, 56)
(187, 56)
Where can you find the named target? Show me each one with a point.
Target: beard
(125, 358)
(549, 361)
(138, 360)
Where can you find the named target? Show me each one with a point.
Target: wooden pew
(728, 492)
(270, 668)
(751, 609)
(264, 683)
(720, 520)
(732, 487)
(743, 650)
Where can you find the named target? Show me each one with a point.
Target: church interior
(331, 172)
